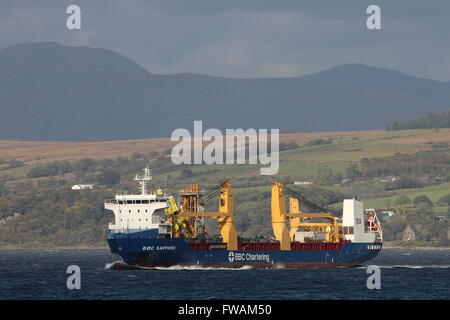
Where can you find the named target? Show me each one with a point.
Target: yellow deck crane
(187, 221)
(298, 218)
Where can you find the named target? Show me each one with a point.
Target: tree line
(430, 120)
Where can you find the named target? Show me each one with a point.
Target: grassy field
(433, 192)
(303, 162)
(347, 147)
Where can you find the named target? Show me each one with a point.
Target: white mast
(144, 179)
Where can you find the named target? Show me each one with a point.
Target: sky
(245, 39)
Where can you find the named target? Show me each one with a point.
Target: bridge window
(348, 230)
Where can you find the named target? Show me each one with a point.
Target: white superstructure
(134, 213)
(359, 225)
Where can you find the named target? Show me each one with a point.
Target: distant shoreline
(14, 247)
(395, 246)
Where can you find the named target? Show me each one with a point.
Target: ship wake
(120, 265)
(178, 267)
(407, 266)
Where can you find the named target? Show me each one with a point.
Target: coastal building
(411, 232)
(439, 180)
(346, 181)
(9, 218)
(388, 213)
(82, 186)
(386, 179)
(303, 182)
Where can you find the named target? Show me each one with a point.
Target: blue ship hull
(142, 250)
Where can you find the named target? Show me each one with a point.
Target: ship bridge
(137, 199)
(138, 212)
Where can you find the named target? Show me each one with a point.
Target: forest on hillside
(431, 120)
(43, 210)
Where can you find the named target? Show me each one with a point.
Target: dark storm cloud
(245, 38)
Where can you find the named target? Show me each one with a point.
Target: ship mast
(144, 179)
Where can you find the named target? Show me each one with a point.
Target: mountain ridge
(49, 91)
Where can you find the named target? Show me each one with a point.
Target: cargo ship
(152, 230)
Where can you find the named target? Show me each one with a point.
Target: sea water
(42, 274)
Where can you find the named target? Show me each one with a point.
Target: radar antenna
(144, 179)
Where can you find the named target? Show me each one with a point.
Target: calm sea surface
(41, 274)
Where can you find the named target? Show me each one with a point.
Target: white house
(82, 186)
(304, 182)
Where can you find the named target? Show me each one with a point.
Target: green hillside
(38, 207)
